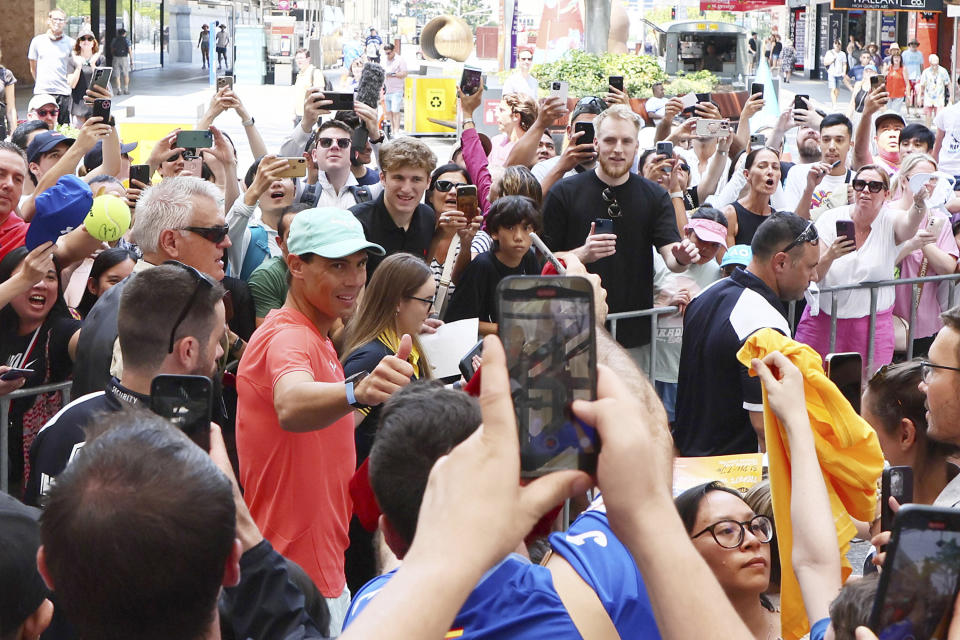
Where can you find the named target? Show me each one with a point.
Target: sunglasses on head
(326, 143)
(214, 234)
(47, 112)
(203, 282)
(875, 186)
(443, 186)
(809, 234)
(613, 207)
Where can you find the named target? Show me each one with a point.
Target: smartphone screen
(467, 200)
(140, 172)
(616, 82)
(588, 133)
(846, 370)
(800, 101)
(874, 82)
(896, 482)
(194, 139)
(547, 327)
(919, 579)
(755, 88)
(187, 402)
(471, 81)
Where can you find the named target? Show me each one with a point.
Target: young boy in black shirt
(509, 223)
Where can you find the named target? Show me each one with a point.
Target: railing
(5, 422)
(654, 315)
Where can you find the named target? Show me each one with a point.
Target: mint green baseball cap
(328, 232)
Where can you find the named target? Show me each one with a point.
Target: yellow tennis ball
(109, 218)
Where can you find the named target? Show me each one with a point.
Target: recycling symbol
(436, 102)
(435, 99)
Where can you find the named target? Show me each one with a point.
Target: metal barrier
(654, 314)
(5, 422)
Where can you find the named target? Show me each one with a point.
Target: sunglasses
(443, 186)
(875, 186)
(326, 143)
(47, 112)
(203, 282)
(86, 39)
(613, 207)
(177, 156)
(809, 234)
(214, 234)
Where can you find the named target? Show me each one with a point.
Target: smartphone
(466, 363)
(758, 140)
(187, 402)
(559, 89)
(101, 107)
(296, 168)
(896, 482)
(665, 149)
(467, 200)
(956, 183)
(603, 225)
(875, 81)
(224, 81)
(194, 139)
(616, 82)
(101, 77)
(935, 224)
(801, 101)
(140, 172)
(846, 228)
(548, 331)
(881, 80)
(471, 81)
(15, 374)
(919, 580)
(588, 132)
(341, 101)
(703, 97)
(706, 128)
(846, 371)
(755, 88)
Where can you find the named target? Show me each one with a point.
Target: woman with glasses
(932, 251)
(867, 251)
(744, 216)
(453, 224)
(397, 301)
(86, 58)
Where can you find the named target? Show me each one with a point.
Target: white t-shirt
(948, 121)
(830, 193)
(54, 62)
(874, 260)
(516, 83)
(839, 65)
(654, 107)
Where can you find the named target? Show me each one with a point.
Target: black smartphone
(101, 77)
(341, 101)
(703, 97)
(466, 363)
(896, 482)
(665, 149)
(847, 229)
(15, 374)
(187, 402)
(755, 88)
(603, 225)
(846, 371)
(874, 82)
(140, 172)
(224, 81)
(616, 82)
(588, 133)
(548, 331)
(919, 580)
(194, 139)
(467, 200)
(956, 183)
(471, 81)
(801, 101)
(101, 107)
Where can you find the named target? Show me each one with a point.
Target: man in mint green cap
(295, 410)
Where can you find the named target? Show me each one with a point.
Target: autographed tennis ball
(109, 218)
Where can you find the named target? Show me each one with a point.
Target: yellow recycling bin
(426, 98)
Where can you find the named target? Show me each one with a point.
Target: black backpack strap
(360, 193)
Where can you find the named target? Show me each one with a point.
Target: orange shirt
(896, 83)
(295, 484)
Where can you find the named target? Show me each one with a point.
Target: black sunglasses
(875, 186)
(444, 186)
(214, 234)
(809, 234)
(173, 158)
(90, 38)
(613, 207)
(326, 143)
(203, 282)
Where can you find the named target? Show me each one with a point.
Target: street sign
(889, 5)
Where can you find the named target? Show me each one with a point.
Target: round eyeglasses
(729, 534)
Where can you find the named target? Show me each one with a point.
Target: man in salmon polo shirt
(295, 411)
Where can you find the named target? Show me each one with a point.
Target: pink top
(928, 312)
(476, 161)
(500, 151)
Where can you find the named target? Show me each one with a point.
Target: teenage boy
(820, 186)
(509, 223)
(916, 138)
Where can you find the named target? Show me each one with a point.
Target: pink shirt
(928, 311)
(500, 150)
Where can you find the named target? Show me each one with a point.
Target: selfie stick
(542, 248)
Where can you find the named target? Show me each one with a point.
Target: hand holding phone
(896, 483)
(665, 149)
(101, 108)
(141, 173)
(296, 167)
(194, 139)
(467, 201)
(14, 373)
(187, 402)
(616, 82)
(471, 81)
(755, 88)
(588, 132)
(846, 371)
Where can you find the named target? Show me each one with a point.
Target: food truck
(697, 45)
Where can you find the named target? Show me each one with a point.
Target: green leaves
(587, 74)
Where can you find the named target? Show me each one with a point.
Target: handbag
(901, 326)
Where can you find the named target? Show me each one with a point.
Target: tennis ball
(109, 218)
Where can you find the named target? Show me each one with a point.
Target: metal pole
(953, 292)
(915, 295)
(613, 329)
(654, 320)
(791, 313)
(833, 322)
(5, 444)
(872, 332)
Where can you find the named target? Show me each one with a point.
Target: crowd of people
(344, 488)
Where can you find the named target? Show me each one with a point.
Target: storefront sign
(890, 5)
(798, 25)
(738, 5)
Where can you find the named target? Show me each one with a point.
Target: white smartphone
(559, 89)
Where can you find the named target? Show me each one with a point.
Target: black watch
(351, 384)
(378, 140)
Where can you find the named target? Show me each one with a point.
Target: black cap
(94, 158)
(24, 589)
(588, 104)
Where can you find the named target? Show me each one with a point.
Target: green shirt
(268, 285)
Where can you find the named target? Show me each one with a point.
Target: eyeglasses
(47, 112)
(613, 207)
(809, 234)
(875, 186)
(176, 156)
(214, 234)
(429, 301)
(444, 186)
(326, 143)
(86, 39)
(927, 367)
(729, 534)
(203, 282)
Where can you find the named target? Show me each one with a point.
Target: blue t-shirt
(913, 62)
(819, 629)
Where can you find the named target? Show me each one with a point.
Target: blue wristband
(351, 399)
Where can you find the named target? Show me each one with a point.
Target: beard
(612, 170)
(809, 152)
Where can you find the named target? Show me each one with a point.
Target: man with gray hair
(178, 219)
(639, 214)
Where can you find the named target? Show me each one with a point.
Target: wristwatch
(378, 140)
(247, 123)
(350, 384)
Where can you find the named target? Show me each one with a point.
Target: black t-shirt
(380, 228)
(647, 221)
(476, 293)
(366, 358)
